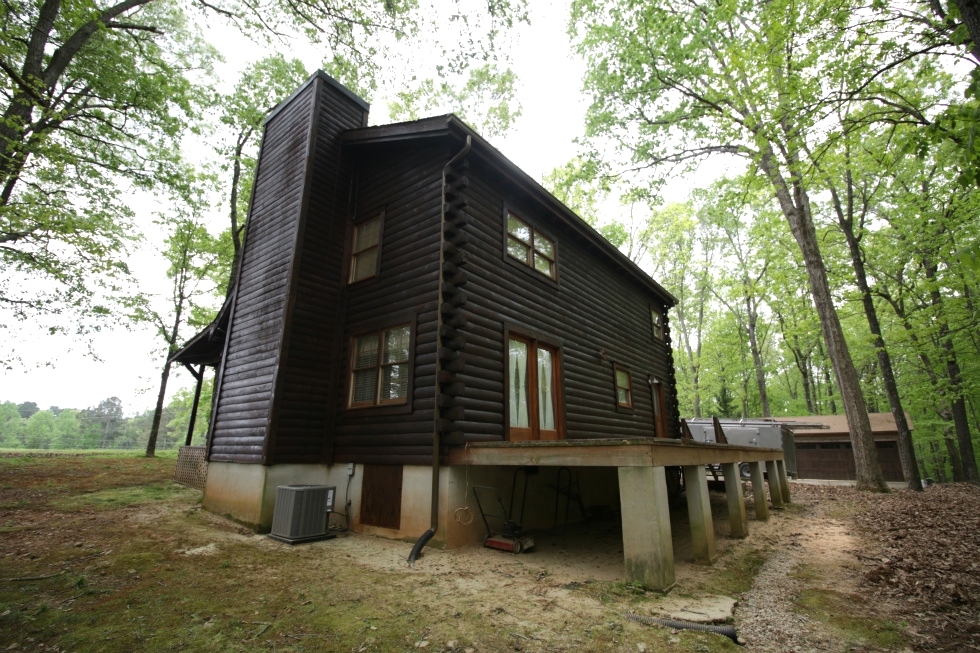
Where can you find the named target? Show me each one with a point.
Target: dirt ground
(105, 554)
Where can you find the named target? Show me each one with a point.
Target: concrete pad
(708, 609)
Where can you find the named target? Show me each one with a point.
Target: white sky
(55, 370)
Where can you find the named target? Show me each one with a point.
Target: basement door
(381, 496)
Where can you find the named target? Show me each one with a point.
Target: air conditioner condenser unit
(301, 513)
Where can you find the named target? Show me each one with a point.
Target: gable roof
(450, 127)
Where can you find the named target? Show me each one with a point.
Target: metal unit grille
(192, 467)
(301, 511)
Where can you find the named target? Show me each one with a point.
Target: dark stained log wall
(406, 184)
(301, 430)
(592, 308)
(301, 190)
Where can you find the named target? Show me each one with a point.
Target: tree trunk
(954, 455)
(796, 209)
(151, 444)
(958, 403)
(906, 451)
(760, 373)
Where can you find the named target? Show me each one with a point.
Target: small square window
(364, 250)
(530, 246)
(379, 367)
(657, 318)
(624, 387)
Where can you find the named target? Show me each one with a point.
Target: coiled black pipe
(676, 624)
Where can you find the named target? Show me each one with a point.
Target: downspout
(436, 440)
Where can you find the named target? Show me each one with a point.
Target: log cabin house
(406, 291)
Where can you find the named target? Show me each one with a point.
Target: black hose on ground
(676, 624)
(417, 549)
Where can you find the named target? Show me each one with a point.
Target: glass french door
(533, 391)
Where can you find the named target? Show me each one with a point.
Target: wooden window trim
(534, 432)
(379, 406)
(659, 416)
(527, 263)
(628, 405)
(657, 324)
(352, 258)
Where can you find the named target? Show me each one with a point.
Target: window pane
(622, 379)
(658, 324)
(544, 245)
(366, 351)
(364, 382)
(518, 250)
(394, 382)
(546, 398)
(517, 394)
(366, 234)
(623, 396)
(518, 229)
(396, 345)
(365, 264)
(542, 265)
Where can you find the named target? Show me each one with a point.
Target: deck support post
(783, 480)
(647, 546)
(775, 492)
(759, 492)
(736, 502)
(699, 512)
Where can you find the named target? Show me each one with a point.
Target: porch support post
(699, 512)
(647, 546)
(783, 480)
(736, 502)
(775, 492)
(199, 375)
(759, 492)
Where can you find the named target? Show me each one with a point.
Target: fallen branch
(26, 578)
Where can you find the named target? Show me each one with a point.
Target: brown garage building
(826, 453)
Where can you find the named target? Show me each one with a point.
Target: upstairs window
(530, 246)
(624, 387)
(380, 367)
(658, 324)
(364, 250)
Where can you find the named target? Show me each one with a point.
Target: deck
(647, 545)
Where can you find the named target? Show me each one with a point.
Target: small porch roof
(207, 347)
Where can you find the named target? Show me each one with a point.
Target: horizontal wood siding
(246, 384)
(407, 185)
(303, 421)
(592, 308)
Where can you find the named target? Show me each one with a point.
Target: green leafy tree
(675, 82)
(199, 265)
(96, 95)
(94, 98)
(102, 424)
(39, 430)
(11, 424)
